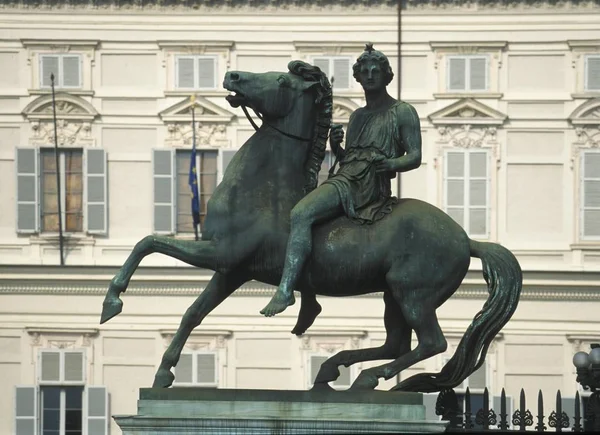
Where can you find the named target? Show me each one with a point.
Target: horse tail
(504, 278)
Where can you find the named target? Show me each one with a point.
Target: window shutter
(478, 74)
(206, 368)
(341, 73)
(591, 194)
(455, 186)
(497, 406)
(478, 193)
(184, 371)
(323, 64)
(27, 190)
(457, 68)
(164, 204)
(226, 156)
(315, 364)
(26, 410)
(344, 379)
(96, 184)
(185, 72)
(49, 363)
(478, 379)
(48, 66)
(592, 71)
(429, 400)
(206, 72)
(71, 71)
(96, 408)
(74, 370)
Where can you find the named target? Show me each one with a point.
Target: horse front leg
(199, 254)
(218, 289)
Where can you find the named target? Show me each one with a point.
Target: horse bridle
(292, 136)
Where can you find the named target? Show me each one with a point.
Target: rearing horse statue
(417, 255)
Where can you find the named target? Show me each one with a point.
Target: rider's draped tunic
(366, 194)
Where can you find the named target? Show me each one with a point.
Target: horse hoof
(163, 379)
(318, 386)
(110, 308)
(364, 382)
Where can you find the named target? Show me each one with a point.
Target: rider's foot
(309, 310)
(278, 303)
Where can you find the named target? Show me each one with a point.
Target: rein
(272, 126)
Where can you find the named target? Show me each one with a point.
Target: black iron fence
(585, 416)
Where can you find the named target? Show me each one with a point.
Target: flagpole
(193, 99)
(57, 161)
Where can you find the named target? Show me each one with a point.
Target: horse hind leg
(418, 307)
(218, 289)
(397, 343)
(199, 254)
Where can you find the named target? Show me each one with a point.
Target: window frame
(466, 190)
(195, 382)
(196, 58)
(59, 84)
(586, 58)
(63, 407)
(61, 381)
(330, 59)
(468, 58)
(582, 207)
(332, 384)
(63, 193)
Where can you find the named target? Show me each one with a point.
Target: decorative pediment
(467, 111)
(205, 112)
(587, 114)
(68, 107)
(342, 109)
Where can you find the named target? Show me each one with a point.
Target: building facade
(509, 102)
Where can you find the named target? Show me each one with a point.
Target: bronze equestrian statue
(363, 240)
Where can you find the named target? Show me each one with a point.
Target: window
(592, 73)
(82, 193)
(338, 69)
(195, 72)
(198, 369)
(206, 170)
(466, 185)
(590, 196)
(65, 67)
(343, 382)
(467, 73)
(61, 403)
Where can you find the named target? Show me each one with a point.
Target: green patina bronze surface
(268, 221)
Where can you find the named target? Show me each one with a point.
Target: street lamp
(588, 375)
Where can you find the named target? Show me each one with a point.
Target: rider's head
(369, 59)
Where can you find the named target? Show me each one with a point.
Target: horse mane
(324, 103)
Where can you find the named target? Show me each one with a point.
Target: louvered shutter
(27, 190)
(478, 74)
(49, 366)
(206, 72)
(185, 72)
(429, 401)
(71, 71)
(73, 366)
(344, 379)
(592, 72)
(164, 198)
(478, 194)
(315, 362)
(226, 156)
(96, 195)
(26, 410)
(341, 73)
(206, 369)
(497, 406)
(591, 194)
(323, 64)
(184, 370)
(96, 408)
(478, 378)
(455, 186)
(457, 70)
(568, 406)
(48, 66)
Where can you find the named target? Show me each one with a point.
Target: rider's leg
(321, 204)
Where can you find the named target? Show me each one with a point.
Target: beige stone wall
(535, 84)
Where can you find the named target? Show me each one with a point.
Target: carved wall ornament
(69, 133)
(180, 135)
(68, 106)
(61, 338)
(468, 137)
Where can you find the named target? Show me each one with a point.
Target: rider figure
(384, 137)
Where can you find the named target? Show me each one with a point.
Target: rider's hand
(337, 135)
(384, 165)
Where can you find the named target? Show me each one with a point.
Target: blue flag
(193, 182)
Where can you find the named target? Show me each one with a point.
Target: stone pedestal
(210, 411)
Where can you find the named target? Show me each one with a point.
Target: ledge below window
(459, 95)
(202, 92)
(589, 94)
(68, 239)
(592, 245)
(80, 92)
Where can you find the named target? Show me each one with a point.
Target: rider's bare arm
(335, 139)
(410, 132)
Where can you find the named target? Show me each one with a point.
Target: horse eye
(283, 81)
